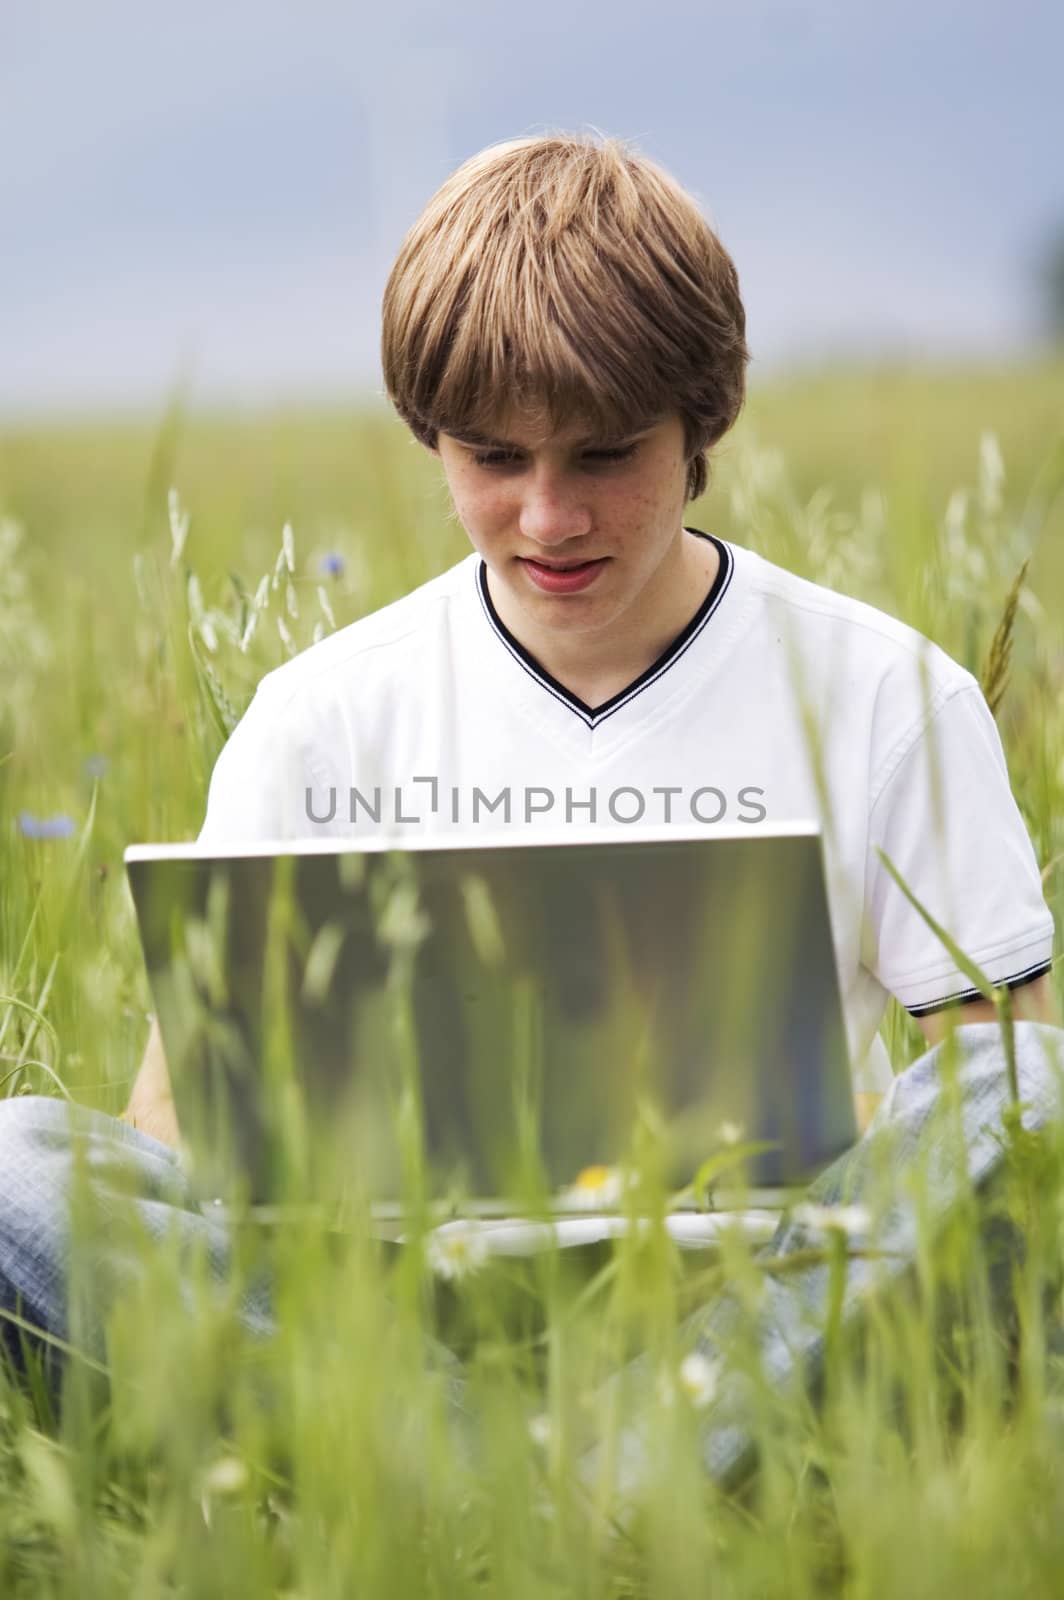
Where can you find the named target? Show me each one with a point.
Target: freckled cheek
(482, 512)
(489, 507)
(622, 507)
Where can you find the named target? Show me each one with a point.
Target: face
(579, 534)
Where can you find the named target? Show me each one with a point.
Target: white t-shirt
(779, 701)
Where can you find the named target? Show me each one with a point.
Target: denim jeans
(941, 1123)
(136, 1183)
(42, 1139)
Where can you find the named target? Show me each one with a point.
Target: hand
(865, 1104)
(151, 1107)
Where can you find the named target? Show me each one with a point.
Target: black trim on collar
(594, 715)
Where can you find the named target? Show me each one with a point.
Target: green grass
(327, 1461)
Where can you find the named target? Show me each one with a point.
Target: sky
(214, 193)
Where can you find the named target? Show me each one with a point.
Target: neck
(595, 664)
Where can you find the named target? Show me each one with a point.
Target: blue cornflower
(332, 565)
(57, 827)
(96, 766)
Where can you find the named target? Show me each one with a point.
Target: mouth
(563, 577)
(563, 566)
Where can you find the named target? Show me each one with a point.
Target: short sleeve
(948, 820)
(259, 778)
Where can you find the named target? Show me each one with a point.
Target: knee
(978, 1057)
(69, 1177)
(28, 1129)
(38, 1135)
(48, 1146)
(35, 1147)
(1040, 1067)
(33, 1224)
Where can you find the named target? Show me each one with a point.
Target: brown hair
(569, 280)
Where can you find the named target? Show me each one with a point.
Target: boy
(564, 331)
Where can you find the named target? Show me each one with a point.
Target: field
(145, 585)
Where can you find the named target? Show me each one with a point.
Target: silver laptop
(500, 1028)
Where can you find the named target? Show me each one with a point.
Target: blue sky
(220, 188)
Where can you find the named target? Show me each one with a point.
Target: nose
(553, 512)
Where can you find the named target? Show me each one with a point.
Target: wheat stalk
(995, 676)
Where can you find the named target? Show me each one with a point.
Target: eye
(504, 458)
(621, 454)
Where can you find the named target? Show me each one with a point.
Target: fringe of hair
(565, 279)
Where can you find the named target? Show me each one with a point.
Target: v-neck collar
(595, 716)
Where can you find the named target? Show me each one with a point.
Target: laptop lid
(434, 1018)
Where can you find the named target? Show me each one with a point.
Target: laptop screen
(477, 1021)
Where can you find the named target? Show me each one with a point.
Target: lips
(568, 578)
(562, 566)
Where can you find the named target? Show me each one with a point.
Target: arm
(949, 821)
(151, 1105)
(1032, 1002)
(246, 800)
(944, 802)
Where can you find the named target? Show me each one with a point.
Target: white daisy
(594, 1189)
(456, 1250)
(698, 1380)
